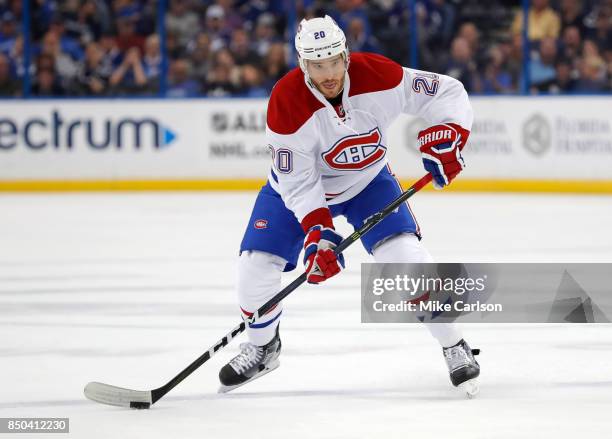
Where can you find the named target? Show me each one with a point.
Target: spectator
(461, 65)
(181, 21)
(95, 17)
(347, 10)
(75, 28)
(389, 23)
(438, 21)
(542, 70)
(9, 87)
(592, 75)
(233, 20)
(469, 33)
(241, 48)
(16, 7)
(173, 48)
(47, 84)
(127, 38)
(601, 34)
(219, 82)
(252, 82)
(275, 64)
(564, 81)
(42, 11)
(265, 34)
(180, 85)
(513, 54)
(442, 16)
(147, 18)
(544, 22)
(69, 45)
(199, 53)
(95, 71)
(571, 42)
(7, 44)
(223, 78)
(497, 79)
(108, 44)
(151, 61)
(8, 28)
(65, 66)
(139, 12)
(571, 12)
(216, 27)
(129, 77)
(590, 49)
(357, 38)
(45, 61)
(14, 52)
(252, 10)
(225, 58)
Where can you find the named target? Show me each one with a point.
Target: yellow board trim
(465, 185)
(531, 186)
(129, 185)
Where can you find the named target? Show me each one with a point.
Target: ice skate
(463, 367)
(251, 363)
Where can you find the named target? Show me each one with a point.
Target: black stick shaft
(374, 220)
(355, 236)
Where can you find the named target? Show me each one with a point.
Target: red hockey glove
(320, 260)
(441, 146)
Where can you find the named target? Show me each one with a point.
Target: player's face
(327, 75)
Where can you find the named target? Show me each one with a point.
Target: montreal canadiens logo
(261, 224)
(357, 152)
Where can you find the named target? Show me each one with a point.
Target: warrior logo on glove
(441, 146)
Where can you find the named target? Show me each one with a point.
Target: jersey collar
(345, 93)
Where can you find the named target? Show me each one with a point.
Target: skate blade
(273, 365)
(470, 387)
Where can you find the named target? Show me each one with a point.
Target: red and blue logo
(357, 152)
(261, 224)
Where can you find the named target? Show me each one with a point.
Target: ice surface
(128, 289)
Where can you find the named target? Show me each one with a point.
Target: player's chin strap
(112, 395)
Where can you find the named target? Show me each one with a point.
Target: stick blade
(118, 396)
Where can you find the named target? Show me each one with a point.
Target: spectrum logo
(95, 133)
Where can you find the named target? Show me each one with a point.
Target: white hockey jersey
(321, 158)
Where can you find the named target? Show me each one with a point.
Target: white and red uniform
(324, 156)
(321, 158)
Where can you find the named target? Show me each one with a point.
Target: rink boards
(561, 144)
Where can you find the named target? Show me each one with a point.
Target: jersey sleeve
(297, 171)
(436, 98)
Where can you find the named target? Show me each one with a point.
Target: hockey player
(327, 127)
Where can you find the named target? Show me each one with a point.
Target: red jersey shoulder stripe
(291, 104)
(370, 73)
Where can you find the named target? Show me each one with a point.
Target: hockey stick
(142, 399)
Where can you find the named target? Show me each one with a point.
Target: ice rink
(128, 289)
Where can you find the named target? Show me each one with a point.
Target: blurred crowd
(241, 48)
(569, 45)
(114, 48)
